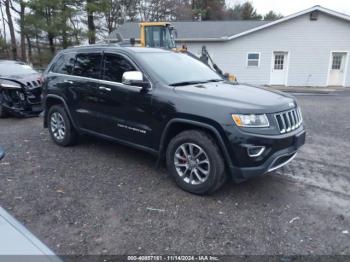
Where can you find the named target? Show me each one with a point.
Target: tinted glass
(88, 65)
(64, 64)
(8, 68)
(174, 67)
(115, 66)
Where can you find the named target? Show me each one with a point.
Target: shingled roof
(220, 30)
(196, 31)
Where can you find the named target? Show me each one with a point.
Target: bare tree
(144, 10)
(183, 10)
(4, 28)
(30, 52)
(114, 14)
(21, 13)
(11, 28)
(119, 11)
(76, 31)
(90, 8)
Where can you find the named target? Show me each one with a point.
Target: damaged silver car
(20, 89)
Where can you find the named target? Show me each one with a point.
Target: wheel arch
(175, 126)
(52, 100)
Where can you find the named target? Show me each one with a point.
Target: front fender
(47, 104)
(212, 129)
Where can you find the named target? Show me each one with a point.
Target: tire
(57, 114)
(210, 161)
(3, 112)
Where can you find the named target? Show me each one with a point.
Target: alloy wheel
(192, 163)
(58, 127)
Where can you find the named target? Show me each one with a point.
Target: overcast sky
(289, 7)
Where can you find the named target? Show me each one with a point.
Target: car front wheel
(60, 127)
(194, 160)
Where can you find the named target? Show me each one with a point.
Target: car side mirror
(135, 78)
(2, 153)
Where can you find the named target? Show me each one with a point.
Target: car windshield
(11, 68)
(179, 69)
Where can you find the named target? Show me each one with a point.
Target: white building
(309, 48)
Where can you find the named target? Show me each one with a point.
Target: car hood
(29, 80)
(241, 98)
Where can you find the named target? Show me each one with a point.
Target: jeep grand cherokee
(174, 107)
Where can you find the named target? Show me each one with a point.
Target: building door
(279, 68)
(336, 71)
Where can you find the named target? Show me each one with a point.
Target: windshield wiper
(213, 80)
(186, 83)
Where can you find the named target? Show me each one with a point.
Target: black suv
(174, 107)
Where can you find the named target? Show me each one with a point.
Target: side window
(115, 66)
(64, 64)
(88, 65)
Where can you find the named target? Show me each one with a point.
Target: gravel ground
(103, 198)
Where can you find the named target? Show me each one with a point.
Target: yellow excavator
(157, 34)
(163, 35)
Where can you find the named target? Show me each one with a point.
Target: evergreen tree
(208, 9)
(271, 16)
(52, 18)
(245, 11)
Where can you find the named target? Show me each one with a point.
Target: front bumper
(27, 111)
(22, 103)
(280, 151)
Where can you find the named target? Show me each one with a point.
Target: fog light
(255, 151)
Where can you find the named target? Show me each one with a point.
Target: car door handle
(68, 81)
(105, 88)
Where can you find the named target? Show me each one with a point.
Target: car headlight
(251, 120)
(8, 84)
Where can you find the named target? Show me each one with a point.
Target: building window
(336, 64)
(253, 60)
(279, 61)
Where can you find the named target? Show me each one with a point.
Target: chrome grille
(289, 120)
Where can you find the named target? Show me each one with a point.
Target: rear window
(88, 65)
(64, 64)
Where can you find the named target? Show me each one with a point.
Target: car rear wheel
(60, 127)
(195, 162)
